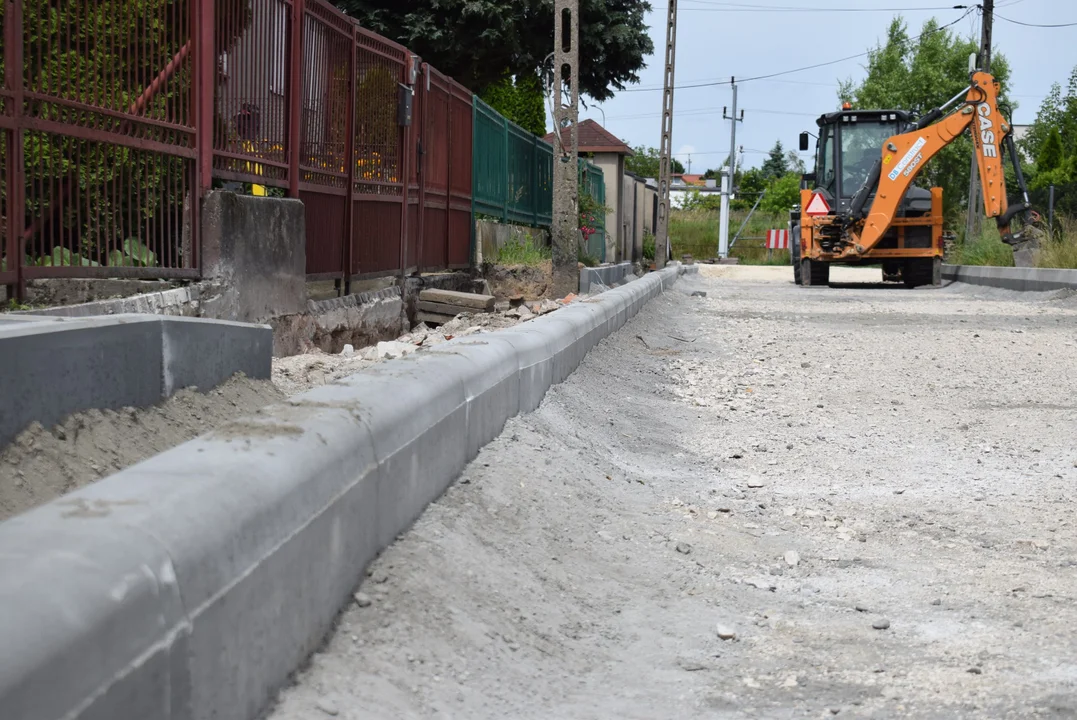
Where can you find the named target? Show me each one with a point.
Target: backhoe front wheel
(814, 273)
(922, 272)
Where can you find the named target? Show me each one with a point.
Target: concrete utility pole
(566, 173)
(976, 205)
(730, 176)
(661, 240)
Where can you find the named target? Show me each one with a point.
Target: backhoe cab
(860, 205)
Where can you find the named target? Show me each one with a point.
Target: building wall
(638, 208)
(612, 166)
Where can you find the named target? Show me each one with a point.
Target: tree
(920, 74)
(776, 165)
(478, 41)
(519, 99)
(750, 184)
(782, 194)
(1057, 112)
(794, 162)
(645, 163)
(1051, 154)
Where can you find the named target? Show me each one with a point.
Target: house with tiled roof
(608, 152)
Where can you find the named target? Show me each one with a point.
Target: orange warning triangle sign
(818, 206)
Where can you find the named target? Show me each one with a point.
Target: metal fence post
(293, 100)
(405, 168)
(204, 91)
(534, 181)
(16, 177)
(508, 177)
(349, 155)
(474, 179)
(1051, 213)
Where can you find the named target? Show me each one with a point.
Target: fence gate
(445, 230)
(327, 138)
(381, 157)
(98, 154)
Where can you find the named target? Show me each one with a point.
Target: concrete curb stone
(190, 586)
(1012, 278)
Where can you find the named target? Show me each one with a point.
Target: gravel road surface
(771, 502)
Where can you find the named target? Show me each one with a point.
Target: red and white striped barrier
(777, 239)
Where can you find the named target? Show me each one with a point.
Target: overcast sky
(716, 41)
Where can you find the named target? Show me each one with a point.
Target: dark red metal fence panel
(326, 136)
(9, 262)
(253, 48)
(8, 253)
(413, 144)
(461, 219)
(114, 122)
(379, 156)
(436, 142)
(100, 141)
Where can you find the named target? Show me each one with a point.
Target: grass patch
(1061, 250)
(695, 233)
(523, 251)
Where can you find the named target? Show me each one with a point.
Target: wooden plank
(443, 309)
(451, 297)
(432, 318)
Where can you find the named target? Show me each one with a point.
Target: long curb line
(1012, 278)
(192, 585)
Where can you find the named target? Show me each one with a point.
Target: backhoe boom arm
(904, 157)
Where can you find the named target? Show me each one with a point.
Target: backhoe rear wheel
(794, 252)
(814, 273)
(921, 272)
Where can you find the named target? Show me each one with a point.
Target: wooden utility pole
(566, 174)
(661, 240)
(973, 223)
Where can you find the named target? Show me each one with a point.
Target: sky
(716, 41)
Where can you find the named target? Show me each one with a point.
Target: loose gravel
(769, 502)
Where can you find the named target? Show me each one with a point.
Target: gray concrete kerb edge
(1012, 278)
(205, 576)
(58, 366)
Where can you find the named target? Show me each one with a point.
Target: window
(825, 174)
(861, 146)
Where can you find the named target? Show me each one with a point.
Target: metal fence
(592, 181)
(1055, 203)
(513, 170)
(116, 123)
(99, 140)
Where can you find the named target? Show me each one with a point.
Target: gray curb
(1024, 279)
(607, 275)
(54, 367)
(192, 585)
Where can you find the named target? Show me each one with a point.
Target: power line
(1035, 25)
(708, 111)
(807, 67)
(740, 7)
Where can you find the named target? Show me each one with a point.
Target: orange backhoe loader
(860, 207)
